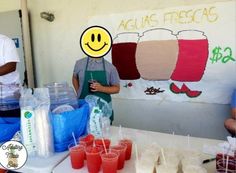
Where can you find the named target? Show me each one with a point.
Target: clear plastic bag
(105, 107)
(100, 112)
(61, 94)
(27, 105)
(9, 96)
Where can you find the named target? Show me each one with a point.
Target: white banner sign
(185, 53)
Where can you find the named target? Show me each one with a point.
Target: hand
(96, 87)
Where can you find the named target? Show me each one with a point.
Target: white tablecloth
(143, 139)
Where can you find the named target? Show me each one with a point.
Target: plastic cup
(128, 143)
(188, 161)
(171, 161)
(77, 154)
(144, 165)
(121, 148)
(2, 170)
(91, 81)
(87, 140)
(99, 143)
(221, 163)
(166, 169)
(194, 169)
(149, 155)
(109, 161)
(93, 159)
(191, 153)
(169, 157)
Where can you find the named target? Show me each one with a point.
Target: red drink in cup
(77, 154)
(128, 143)
(2, 171)
(99, 143)
(121, 148)
(87, 140)
(221, 163)
(93, 159)
(109, 161)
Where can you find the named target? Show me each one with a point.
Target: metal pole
(27, 44)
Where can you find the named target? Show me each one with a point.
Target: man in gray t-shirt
(94, 75)
(112, 76)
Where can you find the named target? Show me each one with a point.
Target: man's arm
(75, 83)
(7, 68)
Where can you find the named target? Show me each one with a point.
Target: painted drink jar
(192, 58)
(123, 55)
(156, 54)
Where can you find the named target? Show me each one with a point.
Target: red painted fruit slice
(174, 88)
(193, 93)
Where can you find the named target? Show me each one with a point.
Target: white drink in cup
(194, 169)
(165, 168)
(145, 165)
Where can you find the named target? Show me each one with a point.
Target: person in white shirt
(9, 76)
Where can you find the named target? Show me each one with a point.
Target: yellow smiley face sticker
(95, 41)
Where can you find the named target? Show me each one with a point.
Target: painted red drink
(128, 143)
(121, 148)
(192, 58)
(77, 154)
(93, 159)
(123, 55)
(109, 162)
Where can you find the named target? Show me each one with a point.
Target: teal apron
(100, 77)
